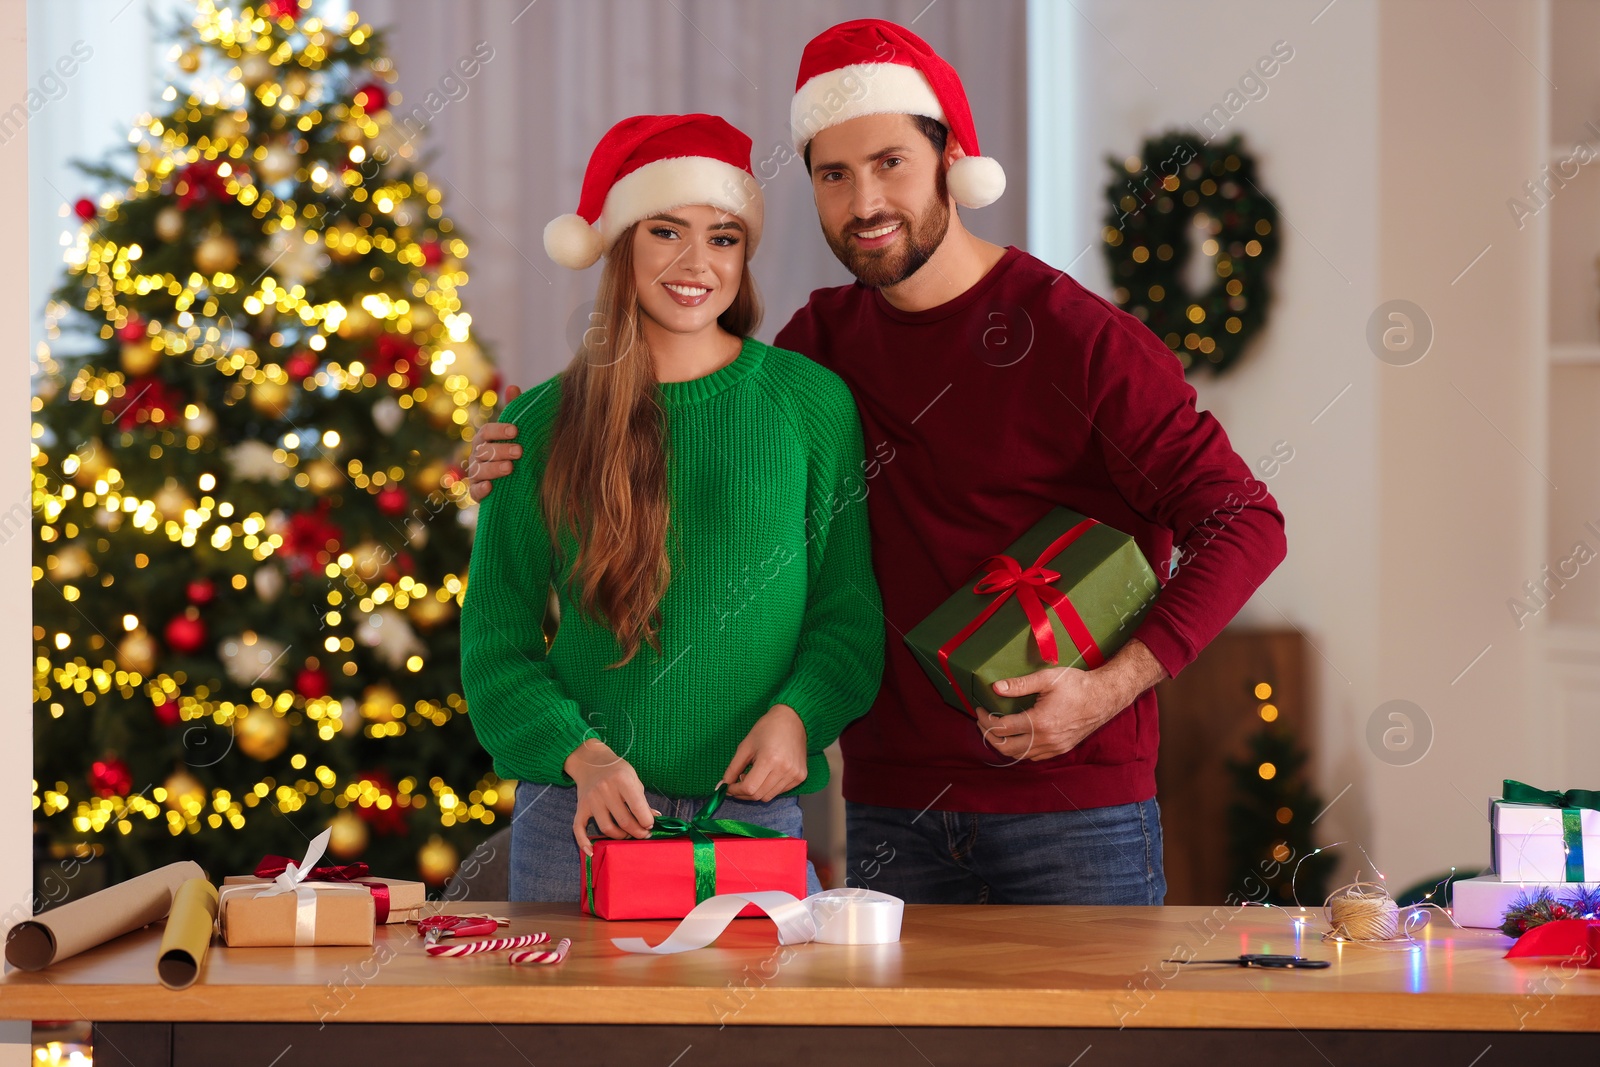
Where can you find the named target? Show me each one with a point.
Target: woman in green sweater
(695, 498)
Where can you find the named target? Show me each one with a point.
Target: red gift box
(687, 861)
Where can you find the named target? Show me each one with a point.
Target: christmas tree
(251, 417)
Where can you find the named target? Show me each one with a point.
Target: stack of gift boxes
(1542, 842)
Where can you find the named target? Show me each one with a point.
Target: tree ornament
(94, 460)
(430, 611)
(171, 499)
(1158, 201)
(253, 461)
(85, 209)
(437, 860)
(302, 365)
(189, 60)
(322, 476)
(201, 591)
(71, 561)
(381, 703)
(186, 634)
(268, 583)
(166, 710)
(256, 69)
(261, 735)
(387, 415)
(371, 98)
(393, 501)
(390, 636)
(203, 423)
(183, 790)
(169, 224)
(110, 777)
(217, 254)
(136, 652)
(279, 162)
(139, 358)
(349, 837)
(251, 658)
(230, 125)
(297, 83)
(311, 683)
(271, 398)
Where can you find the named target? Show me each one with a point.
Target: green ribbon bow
(698, 830)
(1571, 802)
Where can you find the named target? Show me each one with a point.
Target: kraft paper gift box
(395, 900)
(1070, 585)
(314, 913)
(687, 861)
(1544, 836)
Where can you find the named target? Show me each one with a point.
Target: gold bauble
(323, 475)
(139, 357)
(261, 734)
(233, 124)
(171, 500)
(431, 477)
(437, 860)
(368, 559)
(348, 838)
(94, 460)
(505, 796)
(169, 223)
(271, 398)
(72, 561)
(280, 162)
(351, 132)
(430, 611)
(471, 362)
(297, 83)
(378, 702)
(255, 69)
(216, 254)
(440, 406)
(203, 422)
(136, 652)
(181, 786)
(422, 316)
(189, 61)
(357, 322)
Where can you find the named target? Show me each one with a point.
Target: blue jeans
(1089, 856)
(546, 863)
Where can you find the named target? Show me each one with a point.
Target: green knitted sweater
(771, 600)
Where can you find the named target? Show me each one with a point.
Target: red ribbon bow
(1032, 588)
(272, 866)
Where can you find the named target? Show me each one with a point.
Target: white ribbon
(292, 880)
(833, 917)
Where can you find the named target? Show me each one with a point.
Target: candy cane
(467, 948)
(555, 955)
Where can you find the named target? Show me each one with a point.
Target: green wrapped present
(1069, 592)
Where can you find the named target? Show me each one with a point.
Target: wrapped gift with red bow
(685, 861)
(1069, 593)
(394, 900)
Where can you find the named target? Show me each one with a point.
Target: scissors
(1293, 963)
(435, 927)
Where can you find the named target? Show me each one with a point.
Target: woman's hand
(609, 791)
(774, 751)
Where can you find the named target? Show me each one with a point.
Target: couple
(686, 487)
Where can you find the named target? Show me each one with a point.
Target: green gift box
(1069, 593)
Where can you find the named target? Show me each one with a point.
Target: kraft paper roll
(63, 932)
(183, 946)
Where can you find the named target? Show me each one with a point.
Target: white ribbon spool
(833, 917)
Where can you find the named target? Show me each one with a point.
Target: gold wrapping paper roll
(188, 934)
(55, 935)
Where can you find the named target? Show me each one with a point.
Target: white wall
(1390, 142)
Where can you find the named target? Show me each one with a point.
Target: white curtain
(510, 143)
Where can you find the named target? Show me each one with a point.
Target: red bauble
(198, 182)
(201, 591)
(393, 501)
(85, 209)
(302, 365)
(432, 253)
(311, 682)
(385, 820)
(312, 539)
(110, 777)
(372, 97)
(280, 9)
(396, 352)
(186, 633)
(132, 330)
(141, 399)
(166, 712)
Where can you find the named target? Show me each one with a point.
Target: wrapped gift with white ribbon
(292, 911)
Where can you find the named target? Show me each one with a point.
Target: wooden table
(1018, 985)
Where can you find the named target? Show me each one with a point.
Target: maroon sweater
(1025, 393)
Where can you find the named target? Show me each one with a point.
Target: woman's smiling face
(687, 266)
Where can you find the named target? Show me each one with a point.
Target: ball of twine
(1363, 911)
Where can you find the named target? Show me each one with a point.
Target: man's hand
(1072, 703)
(609, 791)
(774, 751)
(491, 454)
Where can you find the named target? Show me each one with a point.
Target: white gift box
(1482, 902)
(1530, 843)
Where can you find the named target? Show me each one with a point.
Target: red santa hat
(873, 67)
(653, 163)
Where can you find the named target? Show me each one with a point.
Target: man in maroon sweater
(992, 388)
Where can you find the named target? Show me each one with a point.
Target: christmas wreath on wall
(1160, 201)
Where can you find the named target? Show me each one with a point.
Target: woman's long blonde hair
(606, 479)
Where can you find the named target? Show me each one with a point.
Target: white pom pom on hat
(648, 164)
(874, 67)
(572, 242)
